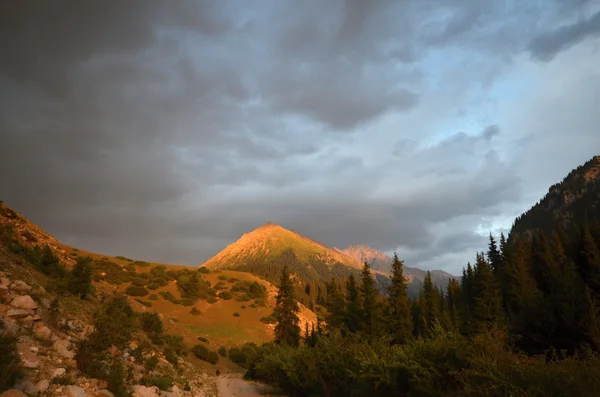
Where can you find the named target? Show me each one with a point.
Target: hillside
(224, 310)
(573, 201)
(383, 263)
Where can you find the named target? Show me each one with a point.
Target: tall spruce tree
(370, 307)
(335, 305)
(287, 330)
(487, 307)
(400, 319)
(429, 310)
(590, 261)
(352, 317)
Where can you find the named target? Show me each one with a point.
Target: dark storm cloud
(547, 45)
(165, 130)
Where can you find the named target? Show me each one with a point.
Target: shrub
(140, 264)
(63, 380)
(242, 355)
(195, 311)
(223, 277)
(153, 286)
(202, 339)
(151, 363)
(222, 351)
(124, 258)
(203, 353)
(236, 314)
(243, 306)
(270, 319)
(116, 380)
(225, 295)
(162, 382)
(143, 302)
(150, 323)
(170, 355)
(134, 290)
(187, 302)
(169, 296)
(243, 298)
(153, 297)
(254, 290)
(140, 282)
(80, 278)
(203, 270)
(211, 299)
(11, 368)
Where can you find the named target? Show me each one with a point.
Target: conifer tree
(590, 261)
(400, 319)
(353, 309)
(80, 279)
(493, 255)
(370, 308)
(287, 330)
(453, 293)
(487, 307)
(429, 313)
(335, 305)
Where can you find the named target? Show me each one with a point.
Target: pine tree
(353, 315)
(80, 279)
(370, 308)
(590, 261)
(494, 256)
(400, 320)
(286, 311)
(429, 313)
(453, 296)
(487, 299)
(335, 305)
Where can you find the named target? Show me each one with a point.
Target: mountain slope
(573, 201)
(383, 263)
(266, 249)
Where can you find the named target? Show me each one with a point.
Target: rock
(4, 294)
(42, 385)
(24, 302)
(11, 326)
(104, 393)
(17, 313)
(4, 282)
(27, 322)
(13, 393)
(143, 391)
(26, 387)
(176, 391)
(62, 347)
(74, 391)
(43, 332)
(34, 349)
(20, 286)
(58, 372)
(45, 303)
(30, 363)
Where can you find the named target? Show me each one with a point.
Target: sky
(164, 130)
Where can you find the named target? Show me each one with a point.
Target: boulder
(104, 393)
(4, 294)
(24, 302)
(74, 391)
(30, 363)
(43, 332)
(20, 286)
(144, 391)
(58, 372)
(62, 347)
(13, 393)
(42, 385)
(17, 313)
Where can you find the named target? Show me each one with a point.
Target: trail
(232, 385)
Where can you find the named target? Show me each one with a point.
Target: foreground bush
(203, 353)
(11, 369)
(446, 365)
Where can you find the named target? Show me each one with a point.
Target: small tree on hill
(287, 330)
(400, 312)
(80, 279)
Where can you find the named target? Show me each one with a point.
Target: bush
(153, 297)
(243, 298)
(225, 295)
(195, 311)
(236, 314)
(169, 296)
(203, 270)
(162, 382)
(270, 319)
(134, 290)
(143, 302)
(153, 286)
(11, 368)
(151, 363)
(80, 278)
(203, 353)
(170, 356)
(223, 277)
(123, 258)
(140, 282)
(242, 355)
(187, 302)
(116, 380)
(150, 323)
(63, 380)
(211, 299)
(202, 339)
(222, 351)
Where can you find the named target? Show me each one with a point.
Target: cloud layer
(163, 131)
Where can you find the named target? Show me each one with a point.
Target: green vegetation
(203, 270)
(242, 356)
(236, 314)
(143, 302)
(226, 295)
(162, 382)
(202, 339)
(134, 290)
(222, 351)
(169, 296)
(286, 311)
(11, 368)
(203, 353)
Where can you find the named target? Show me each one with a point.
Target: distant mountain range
(266, 249)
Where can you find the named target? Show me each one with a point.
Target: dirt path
(232, 385)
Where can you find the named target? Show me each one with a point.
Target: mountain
(573, 201)
(266, 249)
(383, 264)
